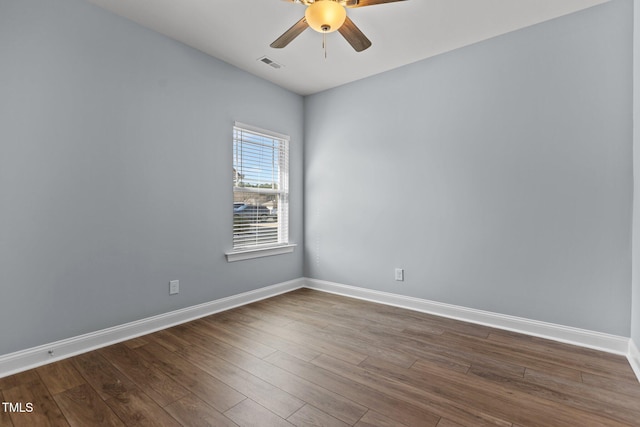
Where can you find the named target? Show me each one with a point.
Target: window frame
(283, 244)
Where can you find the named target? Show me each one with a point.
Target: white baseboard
(37, 356)
(581, 337)
(634, 358)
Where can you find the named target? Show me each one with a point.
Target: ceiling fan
(327, 16)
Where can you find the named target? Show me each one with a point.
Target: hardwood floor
(309, 358)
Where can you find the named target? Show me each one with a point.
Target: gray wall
(499, 176)
(635, 300)
(115, 172)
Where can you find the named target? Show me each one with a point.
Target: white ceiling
(240, 31)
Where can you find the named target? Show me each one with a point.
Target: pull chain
(324, 43)
(325, 29)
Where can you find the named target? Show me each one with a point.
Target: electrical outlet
(399, 275)
(174, 287)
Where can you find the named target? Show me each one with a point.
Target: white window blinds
(260, 188)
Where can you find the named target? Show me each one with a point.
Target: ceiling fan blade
(290, 34)
(354, 36)
(362, 3)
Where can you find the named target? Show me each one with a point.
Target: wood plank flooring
(308, 358)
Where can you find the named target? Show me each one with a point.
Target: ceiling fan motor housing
(325, 16)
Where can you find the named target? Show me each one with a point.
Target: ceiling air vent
(270, 62)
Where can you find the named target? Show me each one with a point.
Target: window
(260, 193)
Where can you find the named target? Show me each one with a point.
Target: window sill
(242, 255)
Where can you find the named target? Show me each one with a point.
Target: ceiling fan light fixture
(325, 16)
